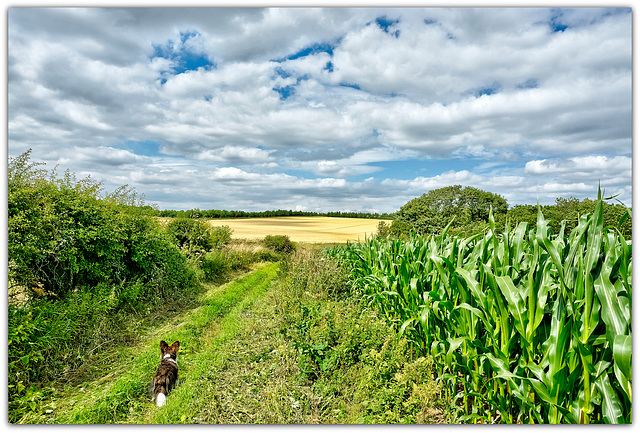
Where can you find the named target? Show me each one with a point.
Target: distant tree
(431, 212)
(384, 230)
(569, 210)
(523, 213)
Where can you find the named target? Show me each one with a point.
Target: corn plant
(524, 326)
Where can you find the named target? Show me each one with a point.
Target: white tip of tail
(161, 399)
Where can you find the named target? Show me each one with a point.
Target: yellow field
(302, 229)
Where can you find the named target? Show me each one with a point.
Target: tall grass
(524, 326)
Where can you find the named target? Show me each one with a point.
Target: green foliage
(213, 264)
(522, 325)
(466, 207)
(63, 236)
(226, 214)
(78, 262)
(567, 212)
(279, 243)
(196, 236)
(396, 386)
(467, 212)
(221, 236)
(384, 230)
(218, 262)
(359, 369)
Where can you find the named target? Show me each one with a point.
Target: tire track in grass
(187, 400)
(123, 397)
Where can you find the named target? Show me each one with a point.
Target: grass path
(121, 394)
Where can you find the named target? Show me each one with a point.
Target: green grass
(121, 395)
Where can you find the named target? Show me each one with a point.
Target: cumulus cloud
(261, 108)
(237, 154)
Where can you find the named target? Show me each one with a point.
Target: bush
(433, 211)
(191, 235)
(221, 236)
(384, 230)
(279, 243)
(195, 236)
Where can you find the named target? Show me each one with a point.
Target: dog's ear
(163, 345)
(176, 344)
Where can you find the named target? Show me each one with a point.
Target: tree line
(466, 212)
(229, 214)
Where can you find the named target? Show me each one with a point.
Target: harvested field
(302, 229)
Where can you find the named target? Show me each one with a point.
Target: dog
(167, 373)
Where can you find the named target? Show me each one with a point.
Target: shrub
(221, 236)
(279, 243)
(191, 235)
(433, 211)
(384, 230)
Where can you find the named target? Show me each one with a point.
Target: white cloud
(593, 164)
(236, 154)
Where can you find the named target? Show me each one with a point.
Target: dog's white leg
(161, 399)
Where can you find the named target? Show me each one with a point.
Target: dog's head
(169, 351)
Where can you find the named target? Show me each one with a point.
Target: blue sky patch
(313, 49)
(531, 83)
(285, 92)
(384, 23)
(555, 21)
(487, 90)
(321, 47)
(281, 72)
(353, 86)
(146, 147)
(183, 58)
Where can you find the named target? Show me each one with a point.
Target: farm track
(119, 395)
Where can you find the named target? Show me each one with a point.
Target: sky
(325, 109)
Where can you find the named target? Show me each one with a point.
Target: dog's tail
(160, 395)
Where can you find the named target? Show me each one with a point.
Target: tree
(467, 207)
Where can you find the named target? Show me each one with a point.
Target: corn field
(524, 326)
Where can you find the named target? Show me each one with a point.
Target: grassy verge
(120, 394)
(309, 353)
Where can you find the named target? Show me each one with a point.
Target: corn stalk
(523, 326)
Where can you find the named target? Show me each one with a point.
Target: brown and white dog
(166, 374)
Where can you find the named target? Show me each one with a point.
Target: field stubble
(302, 229)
